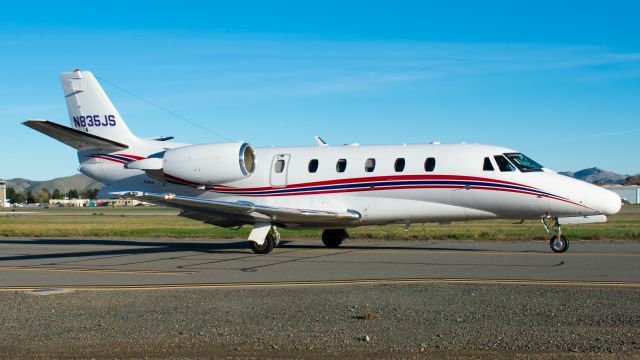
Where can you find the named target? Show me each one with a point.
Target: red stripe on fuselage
(240, 191)
(108, 158)
(369, 179)
(403, 187)
(133, 157)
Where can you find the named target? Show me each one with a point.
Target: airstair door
(279, 169)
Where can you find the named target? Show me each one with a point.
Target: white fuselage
(457, 188)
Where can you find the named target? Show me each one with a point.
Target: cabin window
(503, 163)
(488, 166)
(341, 165)
(429, 164)
(279, 166)
(399, 165)
(313, 165)
(370, 165)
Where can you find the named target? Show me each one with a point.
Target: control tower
(3, 193)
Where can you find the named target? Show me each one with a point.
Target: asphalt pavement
(150, 298)
(94, 263)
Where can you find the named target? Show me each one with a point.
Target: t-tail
(98, 132)
(91, 111)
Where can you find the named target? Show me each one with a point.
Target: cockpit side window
(523, 163)
(487, 166)
(503, 163)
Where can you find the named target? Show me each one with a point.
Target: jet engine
(206, 164)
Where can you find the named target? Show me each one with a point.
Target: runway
(138, 264)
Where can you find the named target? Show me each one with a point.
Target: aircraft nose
(610, 202)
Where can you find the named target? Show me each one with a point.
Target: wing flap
(72, 137)
(248, 210)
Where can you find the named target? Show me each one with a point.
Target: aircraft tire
(559, 245)
(332, 238)
(267, 247)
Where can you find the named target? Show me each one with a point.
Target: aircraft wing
(72, 137)
(244, 210)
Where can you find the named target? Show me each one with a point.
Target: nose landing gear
(558, 243)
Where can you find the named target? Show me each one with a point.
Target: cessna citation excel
(327, 187)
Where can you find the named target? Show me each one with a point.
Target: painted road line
(462, 251)
(465, 281)
(95, 270)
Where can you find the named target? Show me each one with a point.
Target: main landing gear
(332, 238)
(558, 243)
(270, 240)
(265, 237)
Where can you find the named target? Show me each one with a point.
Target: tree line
(43, 195)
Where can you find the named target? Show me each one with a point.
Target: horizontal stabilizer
(162, 138)
(75, 138)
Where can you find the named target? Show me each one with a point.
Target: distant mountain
(632, 180)
(596, 175)
(79, 182)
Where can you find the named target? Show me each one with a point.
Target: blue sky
(559, 81)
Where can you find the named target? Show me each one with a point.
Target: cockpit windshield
(523, 163)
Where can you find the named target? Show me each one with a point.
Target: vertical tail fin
(90, 110)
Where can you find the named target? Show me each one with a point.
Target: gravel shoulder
(381, 321)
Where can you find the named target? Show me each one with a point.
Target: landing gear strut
(332, 238)
(271, 241)
(558, 243)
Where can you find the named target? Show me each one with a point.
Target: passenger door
(279, 170)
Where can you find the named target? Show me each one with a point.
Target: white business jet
(326, 187)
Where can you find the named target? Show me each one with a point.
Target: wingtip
(30, 121)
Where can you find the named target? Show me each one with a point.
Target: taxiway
(30, 264)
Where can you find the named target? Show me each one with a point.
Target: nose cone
(610, 202)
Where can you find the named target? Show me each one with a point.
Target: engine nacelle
(209, 164)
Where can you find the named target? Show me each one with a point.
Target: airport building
(629, 194)
(3, 194)
(94, 203)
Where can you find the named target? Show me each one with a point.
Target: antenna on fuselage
(319, 141)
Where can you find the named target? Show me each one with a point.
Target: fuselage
(386, 184)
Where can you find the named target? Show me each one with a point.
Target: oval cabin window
(370, 165)
(341, 165)
(313, 165)
(429, 164)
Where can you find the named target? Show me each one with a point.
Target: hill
(632, 180)
(79, 182)
(596, 175)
